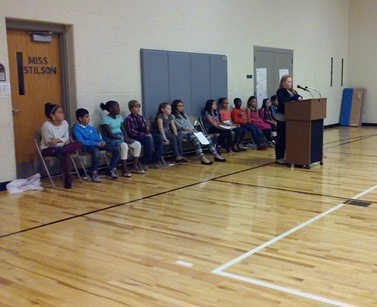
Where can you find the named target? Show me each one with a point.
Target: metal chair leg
(82, 166)
(74, 165)
(44, 163)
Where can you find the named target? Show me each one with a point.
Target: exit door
(269, 65)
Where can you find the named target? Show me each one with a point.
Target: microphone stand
(314, 90)
(309, 92)
(305, 89)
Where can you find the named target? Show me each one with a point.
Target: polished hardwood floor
(242, 233)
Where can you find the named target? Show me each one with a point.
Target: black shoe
(181, 160)
(67, 182)
(220, 160)
(206, 163)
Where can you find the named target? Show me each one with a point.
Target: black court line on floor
(283, 190)
(351, 154)
(122, 204)
(350, 139)
(146, 197)
(349, 142)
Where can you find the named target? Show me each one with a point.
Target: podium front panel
(298, 139)
(305, 110)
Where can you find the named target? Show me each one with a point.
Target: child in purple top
(137, 129)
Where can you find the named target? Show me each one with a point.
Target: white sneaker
(95, 177)
(114, 173)
(251, 145)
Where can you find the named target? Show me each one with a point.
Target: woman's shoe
(206, 163)
(181, 160)
(281, 162)
(137, 171)
(220, 160)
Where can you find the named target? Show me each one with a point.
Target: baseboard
(369, 124)
(3, 185)
(331, 126)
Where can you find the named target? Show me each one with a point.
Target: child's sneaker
(251, 145)
(94, 176)
(114, 173)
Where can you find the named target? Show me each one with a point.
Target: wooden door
(35, 77)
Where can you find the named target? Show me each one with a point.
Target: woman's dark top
(284, 96)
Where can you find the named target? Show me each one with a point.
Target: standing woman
(284, 94)
(56, 142)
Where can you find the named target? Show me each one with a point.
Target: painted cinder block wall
(105, 37)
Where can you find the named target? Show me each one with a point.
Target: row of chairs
(197, 122)
(77, 155)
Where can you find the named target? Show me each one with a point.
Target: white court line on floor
(283, 235)
(184, 263)
(285, 290)
(219, 270)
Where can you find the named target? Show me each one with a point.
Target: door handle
(15, 110)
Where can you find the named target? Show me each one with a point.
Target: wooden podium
(304, 131)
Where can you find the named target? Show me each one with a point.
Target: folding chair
(81, 153)
(166, 146)
(200, 124)
(78, 155)
(37, 141)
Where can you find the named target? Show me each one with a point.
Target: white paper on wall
(261, 89)
(4, 87)
(283, 72)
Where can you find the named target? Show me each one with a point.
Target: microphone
(306, 89)
(303, 88)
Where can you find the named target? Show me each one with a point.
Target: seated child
(93, 143)
(187, 131)
(164, 124)
(55, 140)
(137, 128)
(274, 105)
(115, 134)
(226, 119)
(239, 117)
(253, 115)
(212, 124)
(265, 113)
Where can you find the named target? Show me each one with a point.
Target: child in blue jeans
(93, 143)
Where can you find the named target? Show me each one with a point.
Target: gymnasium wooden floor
(243, 233)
